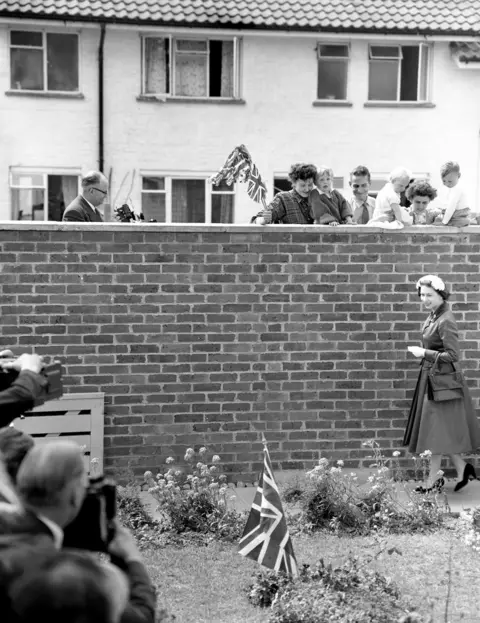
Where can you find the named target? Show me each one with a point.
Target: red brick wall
(213, 336)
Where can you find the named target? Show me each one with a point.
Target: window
(177, 67)
(42, 61)
(178, 199)
(332, 71)
(282, 183)
(398, 73)
(40, 196)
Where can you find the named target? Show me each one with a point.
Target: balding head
(52, 479)
(95, 187)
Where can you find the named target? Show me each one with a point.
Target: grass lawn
(437, 573)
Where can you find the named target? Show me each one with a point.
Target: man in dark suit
(84, 208)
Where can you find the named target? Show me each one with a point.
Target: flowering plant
(334, 499)
(435, 282)
(193, 501)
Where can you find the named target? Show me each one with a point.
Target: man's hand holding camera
(33, 363)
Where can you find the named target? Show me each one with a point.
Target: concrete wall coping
(221, 228)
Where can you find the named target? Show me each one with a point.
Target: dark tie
(365, 217)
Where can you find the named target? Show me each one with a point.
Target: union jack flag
(256, 187)
(239, 167)
(266, 538)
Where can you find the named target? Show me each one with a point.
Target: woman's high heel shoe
(468, 474)
(437, 487)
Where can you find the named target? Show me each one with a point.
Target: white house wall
(278, 122)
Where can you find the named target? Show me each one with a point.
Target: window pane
(378, 184)
(27, 204)
(191, 75)
(384, 51)
(424, 73)
(24, 37)
(221, 69)
(188, 201)
(157, 78)
(222, 208)
(62, 190)
(281, 184)
(27, 180)
(153, 207)
(62, 62)
(191, 45)
(409, 73)
(382, 81)
(26, 69)
(333, 50)
(332, 80)
(338, 183)
(153, 183)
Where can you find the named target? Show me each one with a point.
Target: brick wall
(215, 335)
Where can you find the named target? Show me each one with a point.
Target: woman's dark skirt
(449, 427)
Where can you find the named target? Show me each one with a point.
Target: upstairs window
(43, 61)
(196, 68)
(332, 71)
(398, 73)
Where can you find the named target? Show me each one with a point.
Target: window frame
(178, 175)
(172, 39)
(45, 173)
(44, 32)
(423, 82)
(345, 59)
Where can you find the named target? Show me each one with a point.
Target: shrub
(195, 501)
(333, 499)
(135, 517)
(349, 593)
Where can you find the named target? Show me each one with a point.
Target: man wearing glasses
(84, 208)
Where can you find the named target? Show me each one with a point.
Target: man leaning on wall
(84, 208)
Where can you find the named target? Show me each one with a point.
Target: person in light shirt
(362, 206)
(387, 203)
(454, 208)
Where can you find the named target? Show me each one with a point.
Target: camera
(52, 372)
(93, 529)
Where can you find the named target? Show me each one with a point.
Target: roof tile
(428, 16)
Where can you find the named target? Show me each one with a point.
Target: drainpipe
(101, 146)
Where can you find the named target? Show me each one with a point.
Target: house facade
(158, 99)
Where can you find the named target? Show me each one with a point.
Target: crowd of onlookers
(44, 575)
(402, 201)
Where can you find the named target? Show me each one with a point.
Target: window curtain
(179, 201)
(155, 65)
(227, 69)
(191, 75)
(222, 208)
(69, 188)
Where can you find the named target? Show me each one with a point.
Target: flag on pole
(266, 538)
(239, 167)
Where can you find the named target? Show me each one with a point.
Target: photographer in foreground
(51, 484)
(19, 395)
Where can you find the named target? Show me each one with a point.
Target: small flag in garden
(266, 538)
(239, 167)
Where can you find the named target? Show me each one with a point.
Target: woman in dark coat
(449, 427)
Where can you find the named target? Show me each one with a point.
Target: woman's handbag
(444, 386)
